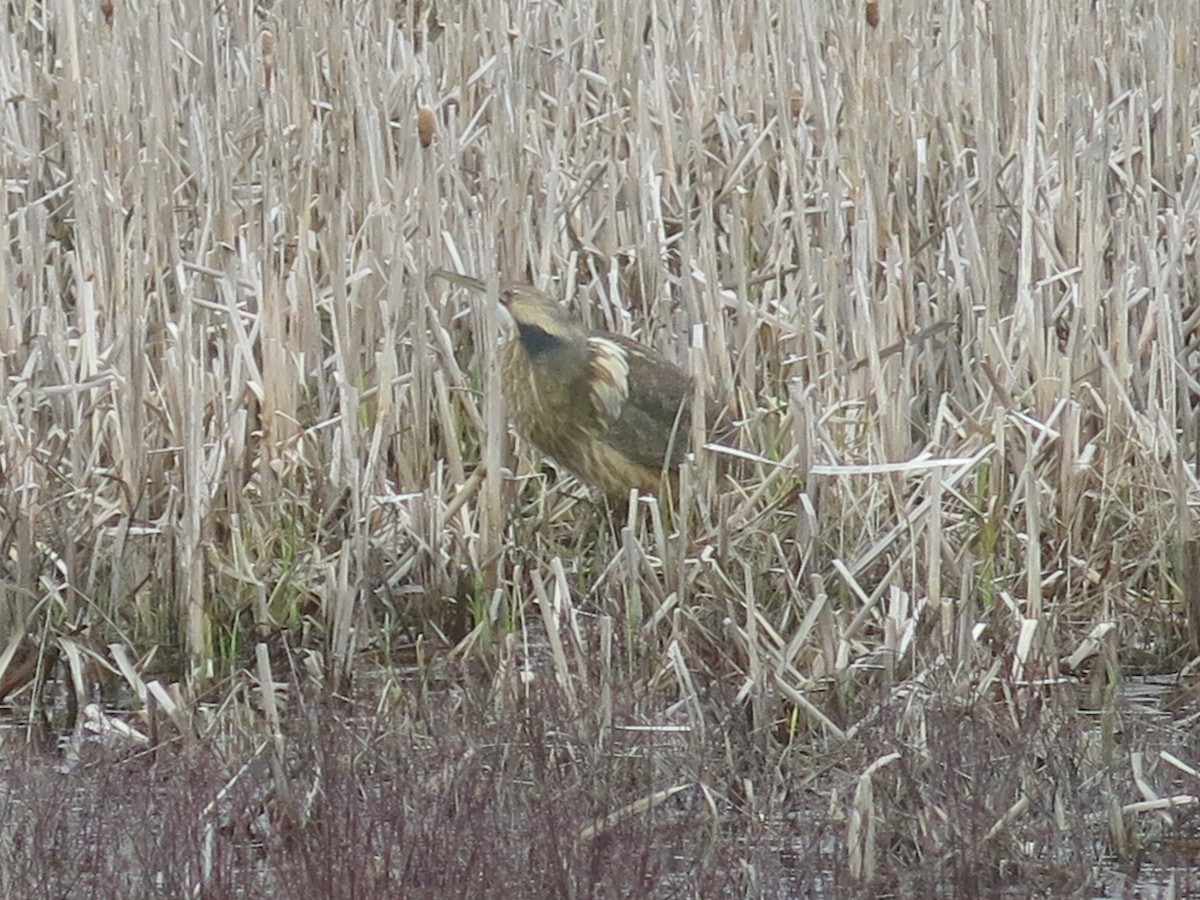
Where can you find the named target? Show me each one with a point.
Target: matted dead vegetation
(266, 534)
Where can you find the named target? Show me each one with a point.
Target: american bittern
(607, 408)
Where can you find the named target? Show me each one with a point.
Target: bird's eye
(506, 296)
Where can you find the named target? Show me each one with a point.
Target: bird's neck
(538, 341)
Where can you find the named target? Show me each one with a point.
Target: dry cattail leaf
(425, 125)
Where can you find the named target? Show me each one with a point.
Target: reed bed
(938, 260)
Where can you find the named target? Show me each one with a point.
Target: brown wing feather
(652, 426)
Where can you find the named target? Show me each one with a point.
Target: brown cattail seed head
(268, 56)
(425, 125)
(796, 103)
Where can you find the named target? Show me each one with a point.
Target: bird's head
(542, 324)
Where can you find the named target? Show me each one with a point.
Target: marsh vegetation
(284, 604)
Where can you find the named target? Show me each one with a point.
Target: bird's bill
(467, 281)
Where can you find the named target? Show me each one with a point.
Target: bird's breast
(547, 395)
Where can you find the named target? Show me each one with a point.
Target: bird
(607, 408)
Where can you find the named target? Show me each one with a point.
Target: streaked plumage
(607, 408)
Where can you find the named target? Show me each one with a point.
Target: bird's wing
(609, 376)
(644, 401)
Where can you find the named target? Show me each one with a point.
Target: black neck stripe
(537, 340)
